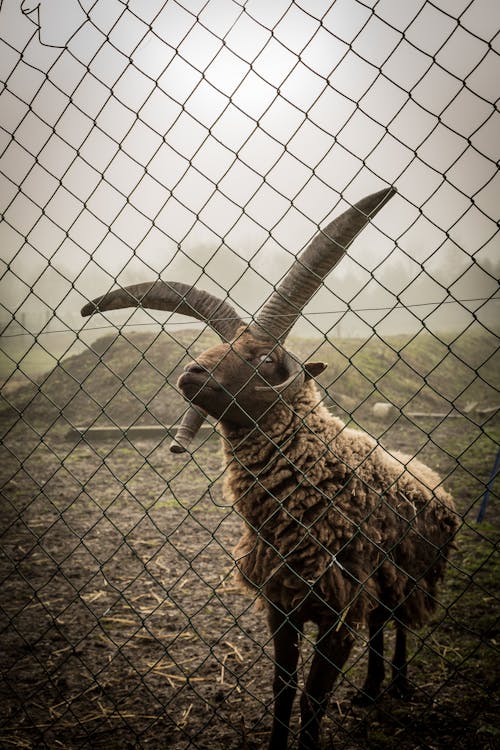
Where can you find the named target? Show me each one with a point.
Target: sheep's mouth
(191, 384)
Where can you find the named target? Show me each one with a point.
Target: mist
(208, 142)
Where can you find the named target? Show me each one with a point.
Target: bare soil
(122, 627)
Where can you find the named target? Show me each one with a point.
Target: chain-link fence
(204, 142)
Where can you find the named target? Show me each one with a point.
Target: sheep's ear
(313, 369)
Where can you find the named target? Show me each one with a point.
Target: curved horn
(189, 426)
(174, 297)
(304, 278)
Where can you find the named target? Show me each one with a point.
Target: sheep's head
(240, 381)
(241, 378)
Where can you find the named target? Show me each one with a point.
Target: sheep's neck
(276, 427)
(284, 448)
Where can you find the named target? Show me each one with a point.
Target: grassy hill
(422, 373)
(129, 378)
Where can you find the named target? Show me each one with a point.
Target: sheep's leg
(400, 685)
(286, 635)
(376, 671)
(331, 652)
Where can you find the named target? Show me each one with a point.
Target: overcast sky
(206, 141)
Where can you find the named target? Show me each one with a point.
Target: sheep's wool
(331, 517)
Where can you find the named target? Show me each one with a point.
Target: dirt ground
(122, 626)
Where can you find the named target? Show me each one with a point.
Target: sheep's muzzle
(195, 379)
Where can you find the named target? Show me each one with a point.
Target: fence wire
(205, 142)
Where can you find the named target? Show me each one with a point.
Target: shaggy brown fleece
(331, 517)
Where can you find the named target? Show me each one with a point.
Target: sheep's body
(329, 511)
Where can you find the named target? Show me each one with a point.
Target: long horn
(281, 311)
(174, 297)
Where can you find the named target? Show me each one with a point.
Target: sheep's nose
(195, 367)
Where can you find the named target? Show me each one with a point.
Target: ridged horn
(281, 311)
(189, 426)
(174, 297)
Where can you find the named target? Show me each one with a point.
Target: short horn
(304, 278)
(191, 423)
(174, 297)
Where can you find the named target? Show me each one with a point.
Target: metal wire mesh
(206, 142)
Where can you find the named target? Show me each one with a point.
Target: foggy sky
(207, 141)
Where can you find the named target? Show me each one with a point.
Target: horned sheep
(337, 531)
